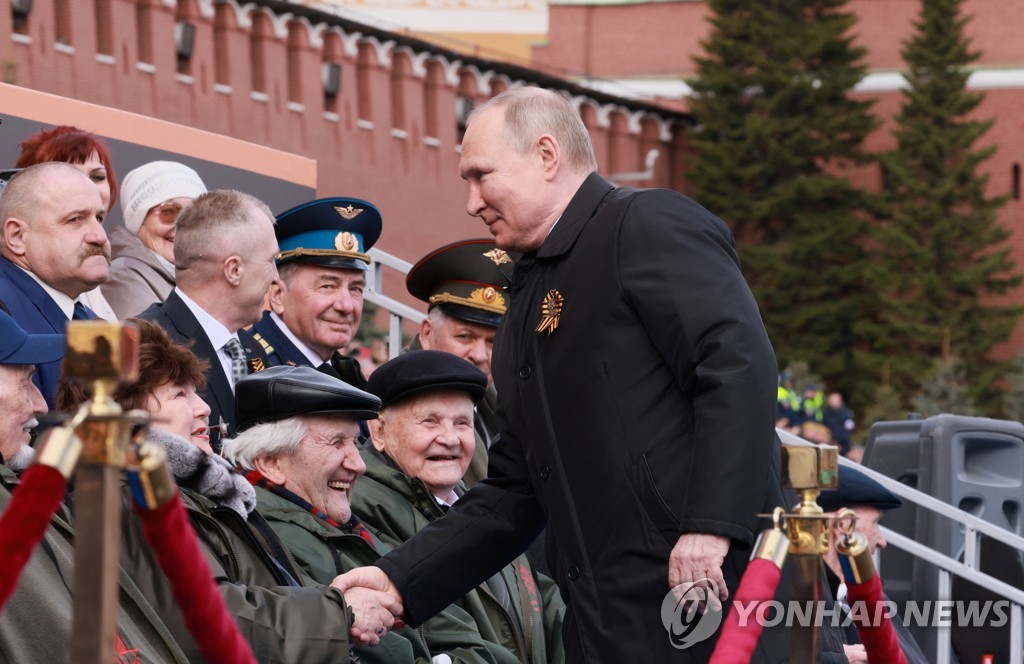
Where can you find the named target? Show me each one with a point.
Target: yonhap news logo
(691, 613)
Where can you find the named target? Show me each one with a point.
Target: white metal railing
(397, 311)
(973, 527)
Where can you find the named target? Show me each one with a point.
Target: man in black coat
(224, 255)
(637, 397)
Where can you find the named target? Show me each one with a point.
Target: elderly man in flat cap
(465, 285)
(36, 625)
(298, 447)
(869, 500)
(316, 306)
(421, 446)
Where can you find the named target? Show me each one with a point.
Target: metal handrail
(973, 528)
(398, 312)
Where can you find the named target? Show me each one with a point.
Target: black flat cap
(466, 279)
(857, 490)
(281, 392)
(422, 371)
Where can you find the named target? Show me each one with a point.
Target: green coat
(36, 623)
(282, 621)
(324, 551)
(395, 507)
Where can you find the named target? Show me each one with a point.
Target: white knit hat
(151, 184)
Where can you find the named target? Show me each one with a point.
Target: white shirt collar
(314, 359)
(449, 500)
(215, 330)
(63, 300)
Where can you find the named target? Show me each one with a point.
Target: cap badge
(550, 311)
(345, 241)
(498, 256)
(348, 212)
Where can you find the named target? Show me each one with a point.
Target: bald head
(52, 221)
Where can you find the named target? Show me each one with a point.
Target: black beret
(857, 490)
(466, 279)
(422, 371)
(281, 392)
(331, 232)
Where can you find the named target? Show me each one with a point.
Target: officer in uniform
(316, 307)
(465, 287)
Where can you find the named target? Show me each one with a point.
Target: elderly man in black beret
(297, 445)
(869, 500)
(422, 444)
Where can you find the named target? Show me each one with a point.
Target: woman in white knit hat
(152, 197)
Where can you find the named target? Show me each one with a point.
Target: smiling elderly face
(429, 436)
(325, 467)
(22, 401)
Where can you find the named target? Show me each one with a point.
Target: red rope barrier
(877, 634)
(168, 531)
(736, 643)
(25, 522)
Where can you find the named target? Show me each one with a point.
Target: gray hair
(215, 221)
(531, 112)
(271, 439)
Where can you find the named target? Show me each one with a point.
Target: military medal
(550, 310)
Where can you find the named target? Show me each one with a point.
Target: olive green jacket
(395, 507)
(323, 551)
(283, 621)
(36, 623)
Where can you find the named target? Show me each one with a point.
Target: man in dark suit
(54, 249)
(316, 305)
(637, 397)
(224, 256)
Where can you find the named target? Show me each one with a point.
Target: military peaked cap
(467, 279)
(331, 232)
(857, 490)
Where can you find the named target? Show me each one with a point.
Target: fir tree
(945, 391)
(776, 123)
(944, 252)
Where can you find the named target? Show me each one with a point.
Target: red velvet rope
(736, 643)
(168, 531)
(25, 522)
(878, 636)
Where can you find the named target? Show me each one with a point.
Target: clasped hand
(375, 603)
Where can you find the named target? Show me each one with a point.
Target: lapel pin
(550, 310)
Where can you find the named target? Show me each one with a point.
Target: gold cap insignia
(550, 311)
(345, 241)
(348, 212)
(489, 294)
(498, 256)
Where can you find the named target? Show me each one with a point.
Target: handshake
(375, 603)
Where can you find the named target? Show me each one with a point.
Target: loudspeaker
(975, 464)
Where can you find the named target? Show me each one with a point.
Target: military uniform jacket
(181, 325)
(395, 507)
(36, 624)
(324, 551)
(646, 413)
(284, 622)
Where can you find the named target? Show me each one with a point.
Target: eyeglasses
(168, 211)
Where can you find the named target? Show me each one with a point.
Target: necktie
(82, 312)
(239, 368)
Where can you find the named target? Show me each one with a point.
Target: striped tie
(239, 368)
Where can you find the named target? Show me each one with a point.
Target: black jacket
(648, 413)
